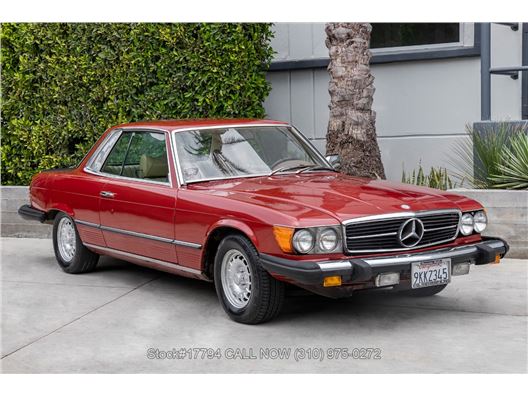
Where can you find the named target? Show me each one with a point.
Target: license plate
(430, 273)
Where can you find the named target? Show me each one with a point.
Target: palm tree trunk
(351, 128)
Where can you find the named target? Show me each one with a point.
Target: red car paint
(191, 213)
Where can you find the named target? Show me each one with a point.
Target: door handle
(107, 194)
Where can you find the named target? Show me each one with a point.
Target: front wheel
(73, 257)
(247, 292)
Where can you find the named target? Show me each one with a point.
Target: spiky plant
(479, 156)
(513, 169)
(437, 178)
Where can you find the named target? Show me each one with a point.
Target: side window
(114, 161)
(141, 155)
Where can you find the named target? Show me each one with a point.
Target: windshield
(242, 151)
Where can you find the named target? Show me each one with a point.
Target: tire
(262, 297)
(76, 260)
(425, 291)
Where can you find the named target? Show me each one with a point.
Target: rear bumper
(365, 269)
(30, 213)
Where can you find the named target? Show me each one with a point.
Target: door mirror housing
(334, 160)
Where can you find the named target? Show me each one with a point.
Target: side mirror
(335, 161)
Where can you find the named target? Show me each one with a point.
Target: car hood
(337, 195)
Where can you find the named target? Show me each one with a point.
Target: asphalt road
(123, 318)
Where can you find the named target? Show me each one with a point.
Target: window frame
(294, 131)
(469, 46)
(466, 39)
(111, 139)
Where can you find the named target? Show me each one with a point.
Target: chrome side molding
(140, 235)
(145, 258)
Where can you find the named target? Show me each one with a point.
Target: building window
(390, 35)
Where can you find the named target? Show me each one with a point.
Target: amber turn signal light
(330, 281)
(497, 259)
(283, 236)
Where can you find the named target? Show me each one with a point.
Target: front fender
(236, 224)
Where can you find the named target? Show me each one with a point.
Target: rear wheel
(73, 257)
(247, 292)
(424, 291)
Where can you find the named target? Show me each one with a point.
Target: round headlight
(328, 240)
(466, 224)
(303, 241)
(480, 221)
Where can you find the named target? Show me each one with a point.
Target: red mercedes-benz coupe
(252, 206)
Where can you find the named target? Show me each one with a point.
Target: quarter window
(139, 155)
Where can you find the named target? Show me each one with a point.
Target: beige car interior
(152, 168)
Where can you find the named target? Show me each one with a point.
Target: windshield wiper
(316, 167)
(290, 167)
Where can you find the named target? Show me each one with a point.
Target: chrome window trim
(296, 132)
(145, 258)
(397, 215)
(98, 172)
(140, 235)
(115, 133)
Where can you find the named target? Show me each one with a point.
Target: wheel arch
(216, 233)
(60, 207)
(53, 211)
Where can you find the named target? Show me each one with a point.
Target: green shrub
(64, 84)
(437, 178)
(482, 159)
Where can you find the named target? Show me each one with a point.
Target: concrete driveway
(127, 319)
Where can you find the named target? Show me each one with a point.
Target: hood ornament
(405, 206)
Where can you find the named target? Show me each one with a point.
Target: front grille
(381, 235)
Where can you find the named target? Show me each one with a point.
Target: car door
(137, 204)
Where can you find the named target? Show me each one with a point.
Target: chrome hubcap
(236, 278)
(66, 239)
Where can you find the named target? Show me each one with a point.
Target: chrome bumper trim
(407, 258)
(439, 254)
(334, 265)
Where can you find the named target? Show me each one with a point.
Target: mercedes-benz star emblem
(411, 232)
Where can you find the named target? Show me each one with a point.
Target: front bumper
(356, 270)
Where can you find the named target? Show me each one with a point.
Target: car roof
(171, 125)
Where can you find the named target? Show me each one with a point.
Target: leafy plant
(437, 178)
(479, 158)
(63, 84)
(513, 168)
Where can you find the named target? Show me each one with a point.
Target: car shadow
(299, 303)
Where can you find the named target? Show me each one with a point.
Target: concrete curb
(507, 215)
(12, 225)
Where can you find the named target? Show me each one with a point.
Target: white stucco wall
(422, 106)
